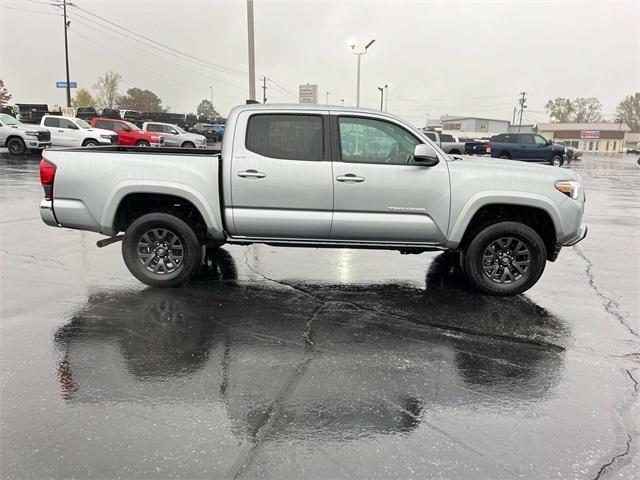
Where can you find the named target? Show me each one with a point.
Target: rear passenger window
(445, 137)
(52, 122)
(154, 128)
(104, 124)
(288, 137)
(527, 139)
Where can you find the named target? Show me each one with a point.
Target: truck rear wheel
(505, 258)
(161, 250)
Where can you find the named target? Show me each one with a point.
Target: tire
(556, 161)
(164, 234)
(142, 143)
(188, 145)
(16, 146)
(90, 143)
(492, 251)
(504, 156)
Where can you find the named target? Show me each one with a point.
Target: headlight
(31, 133)
(108, 137)
(571, 188)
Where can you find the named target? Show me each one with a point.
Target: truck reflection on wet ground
(373, 370)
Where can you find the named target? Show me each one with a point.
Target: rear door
(380, 193)
(57, 134)
(281, 175)
(528, 147)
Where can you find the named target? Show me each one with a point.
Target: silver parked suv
(174, 136)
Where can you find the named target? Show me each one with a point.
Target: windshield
(178, 129)
(81, 123)
(132, 126)
(8, 120)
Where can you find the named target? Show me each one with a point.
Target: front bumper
(36, 144)
(582, 232)
(46, 213)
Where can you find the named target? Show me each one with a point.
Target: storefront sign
(589, 133)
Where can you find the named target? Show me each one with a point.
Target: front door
(171, 137)
(281, 176)
(381, 194)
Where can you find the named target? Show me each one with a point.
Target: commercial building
(588, 137)
(473, 127)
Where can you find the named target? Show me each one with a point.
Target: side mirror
(425, 154)
(549, 142)
(174, 132)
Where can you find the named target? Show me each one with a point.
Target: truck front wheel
(505, 258)
(161, 250)
(16, 146)
(557, 161)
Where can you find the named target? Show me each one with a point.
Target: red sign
(589, 133)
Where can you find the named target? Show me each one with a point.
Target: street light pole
(328, 97)
(386, 97)
(381, 96)
(252, 57)
(211, 90)
(359, 55)
(66, 50)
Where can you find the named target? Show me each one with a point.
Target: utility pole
(359, 55)
(381, 96)
(513, 120)
(264, 89)
(252, 57)
(523, 100)
(328, 97)
(66, 50)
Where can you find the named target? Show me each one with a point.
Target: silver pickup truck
(311, 176)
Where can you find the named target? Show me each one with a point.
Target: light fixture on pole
(359, 54)
(328, 97)
(342, 100)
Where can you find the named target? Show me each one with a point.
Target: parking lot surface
(292, 363)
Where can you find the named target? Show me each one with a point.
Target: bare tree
(560, 110)
(628, 111)
(587, 110)
(106, 88)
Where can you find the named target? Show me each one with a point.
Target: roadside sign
(589, 133)
(64, 84)
(308, 93)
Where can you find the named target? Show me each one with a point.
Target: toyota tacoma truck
(310, 176)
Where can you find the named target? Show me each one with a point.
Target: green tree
(628, 111)
(83, 98)
(560, 110)
(5, 96)
(142, 100)
(207, 109)
(582, 110)
(106, 89)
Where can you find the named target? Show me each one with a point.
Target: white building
(589, 137)
(473, 127)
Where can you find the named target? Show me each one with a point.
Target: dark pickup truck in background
(529, 147)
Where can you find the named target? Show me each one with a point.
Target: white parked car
(75, 132)
(174, 136)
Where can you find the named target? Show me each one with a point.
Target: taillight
(488, 148)
(47, 175)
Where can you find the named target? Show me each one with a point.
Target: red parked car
(128, 133)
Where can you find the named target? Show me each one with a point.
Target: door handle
(61, 131)
(251, 174)
(350, 177)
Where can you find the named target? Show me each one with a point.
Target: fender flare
(482, 199)
(211, 218)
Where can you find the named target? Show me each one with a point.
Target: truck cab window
(286, 136)
(365, 140)
(540, 140)
(52, 122)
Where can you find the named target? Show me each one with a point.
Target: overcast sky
(439, 57)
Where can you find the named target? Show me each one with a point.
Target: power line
(31, 11)
(209, 78)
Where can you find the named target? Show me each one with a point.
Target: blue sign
(64, 84)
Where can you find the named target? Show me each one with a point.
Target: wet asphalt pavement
(302, 363)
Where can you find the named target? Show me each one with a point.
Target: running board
(403, 247)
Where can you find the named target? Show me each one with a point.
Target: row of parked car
(529, 147)
(56, 130)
